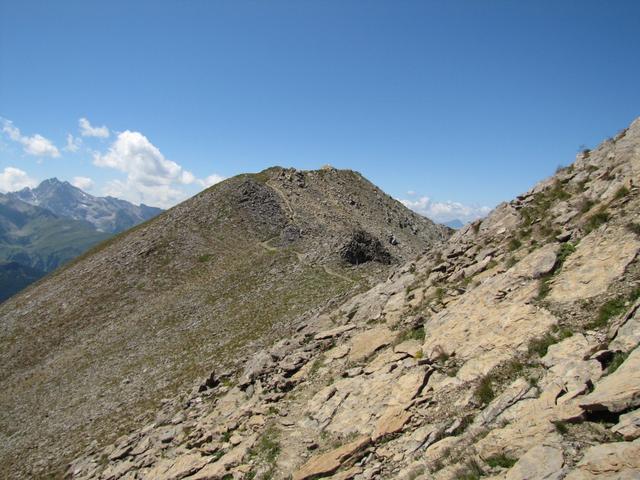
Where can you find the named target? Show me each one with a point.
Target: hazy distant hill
(455, 224)
(14, 277)
(106, 214)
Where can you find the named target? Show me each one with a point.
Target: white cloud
(35, 145)
(151, 178)
(445, 211)
(210, 180)
(73, 143)
(83, 183)
(13, 179)
(87, 130)
(164, 196)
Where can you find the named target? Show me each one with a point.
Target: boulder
(331, 461)
(391, 421)
(619, 391)
(367, 342)
(628, 426)
(539, 463)
(628, 335)
(609, 461)
(600, 258)
(538, 262)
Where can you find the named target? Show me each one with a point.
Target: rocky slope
(510, 353)
(106, 214)
(95, 349)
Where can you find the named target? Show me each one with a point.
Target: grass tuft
(501, 460)
(484, 392)
(618, 359)
(621, 193)
(596, 220)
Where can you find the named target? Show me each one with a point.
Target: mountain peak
(106, 214)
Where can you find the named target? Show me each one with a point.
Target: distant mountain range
(106, 214)
(45, 227)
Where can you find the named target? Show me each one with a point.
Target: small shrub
(412, 334)
(511, 261)
(470, 471)
(541, 345)
(597, 219)
(544, 286)
(475, 226)
(611, 308)
(205, 258)
(617, 360)
(513, 368)
(315, 366)
(561, 333)
(501, 460)
(621, 193)
(585, 205)
(566, 249)
(439, 294)
(634, 228)
(484, 392)
(561, 428)
(514, 244)
(268, 447)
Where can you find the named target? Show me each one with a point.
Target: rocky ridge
(511, 353)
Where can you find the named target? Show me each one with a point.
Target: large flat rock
(599, 259)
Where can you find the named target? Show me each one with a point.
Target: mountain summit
(106, 214)
(200, 287)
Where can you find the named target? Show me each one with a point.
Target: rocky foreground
(511, 353)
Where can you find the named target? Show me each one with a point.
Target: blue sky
(464, 103)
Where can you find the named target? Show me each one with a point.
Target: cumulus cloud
(210, 180)
(445, 211)
(87, 130)
(151, 178)
(164, 196)
(83, 183)
(73, 143)
(36, 145)
(13, 179)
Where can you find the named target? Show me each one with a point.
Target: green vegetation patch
(618, 359)
(621, 193)
(501, 460)
(540, 345)
(411, 334)
(634, 227)
(612, 308)
(596, 220)
(484, 392)
(514, 244)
